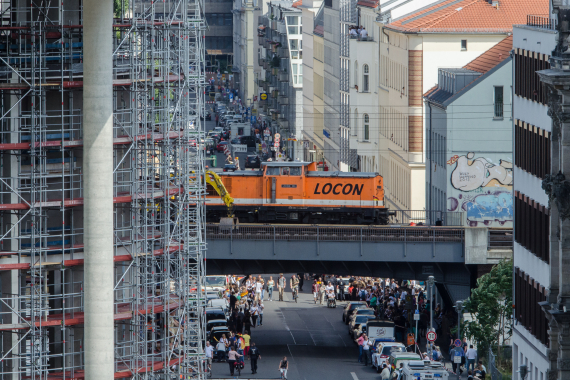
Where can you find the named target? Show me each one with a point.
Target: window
(365, 78)
(527, 82)
(272, 170)
(463, 45)
(294, 48)
(356, 75)
(532, 149)
(532, 226)
(498, 101)
(528, 293)
(366, 127)
(293, 24)
(295, 73)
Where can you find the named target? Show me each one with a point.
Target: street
(313, 337)
(220, 156)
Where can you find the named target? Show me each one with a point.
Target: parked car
(220, 302)
(383, 350)
(221, 145)
(356, 322)
(215, 336)
(248, 140)
(361, 311)
(396, 358)
(214, 313)
(349, 309)
(215, 323)
(230, 167)
(253, 162)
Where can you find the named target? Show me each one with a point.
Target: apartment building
(536, 272)
(281, 80)
(469, 164)
(246, 13)
(450, 34)
(219, 40)
(313, 57)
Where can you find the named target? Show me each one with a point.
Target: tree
(490, 305)
(120, 7)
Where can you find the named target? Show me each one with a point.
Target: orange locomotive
(295, 192)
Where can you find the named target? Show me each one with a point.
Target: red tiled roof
(368, 3)
(297, 3)
(456, 16)
(492, 57)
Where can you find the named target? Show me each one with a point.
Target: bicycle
(295, 294)
(238, 365)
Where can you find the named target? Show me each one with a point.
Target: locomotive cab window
(295, 170)
(272, 170)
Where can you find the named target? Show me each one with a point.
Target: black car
(248, 140)
(208, 116)
(230, 167)
(253, 162)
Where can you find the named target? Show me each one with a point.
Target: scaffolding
(159, 219)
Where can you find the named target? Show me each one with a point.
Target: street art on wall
(482, 189)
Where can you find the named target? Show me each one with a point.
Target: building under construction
(157, 193)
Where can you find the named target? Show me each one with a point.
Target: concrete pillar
(98, 187)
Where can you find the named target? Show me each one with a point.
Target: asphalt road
(221, 158)
(313, 337)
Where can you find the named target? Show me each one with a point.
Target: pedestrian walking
(385, 372)
(232, 357)
(254, 356)
(217, 119)
(283, 367)
(209, 355)
(322, 289)
(270, 285)
(260, 308)
(315, 290)
(340, 285)
(262, 287)
(254, 314)
(281, 282)
(246, 339)
(471, 358)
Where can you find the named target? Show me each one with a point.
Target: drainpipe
(430, 160)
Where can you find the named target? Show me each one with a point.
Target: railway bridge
(454, 255)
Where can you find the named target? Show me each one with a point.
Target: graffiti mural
(482, 189)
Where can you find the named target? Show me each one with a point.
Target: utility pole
(459, 308)
(431, 281)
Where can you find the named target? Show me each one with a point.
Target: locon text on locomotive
(347, 189)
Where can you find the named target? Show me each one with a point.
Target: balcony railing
(360, 38)
(541, 21)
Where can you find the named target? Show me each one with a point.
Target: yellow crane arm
(215, 181)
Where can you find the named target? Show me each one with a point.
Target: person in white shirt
(471, 356)
(385, 372)
(258, 289)
(209, 354)
(364, 34)
(353, 32)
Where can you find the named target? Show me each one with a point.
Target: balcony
(260, 61)
(283, 100)
(260, 39)
(273, 24)
(362, 39)
(283, 52)
(274, 94)
(283, 76)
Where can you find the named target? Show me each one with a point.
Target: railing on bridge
(428, 218)
(335, 233)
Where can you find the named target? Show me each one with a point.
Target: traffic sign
(417, 315)
(263, 96)
(431, 336)
(457, 342)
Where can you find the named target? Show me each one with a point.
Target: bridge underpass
(395, 252)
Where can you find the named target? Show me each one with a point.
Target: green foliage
(117, 5)
(490, 305)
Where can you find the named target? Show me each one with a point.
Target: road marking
(354, 376)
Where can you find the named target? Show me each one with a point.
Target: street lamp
(523, 370)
